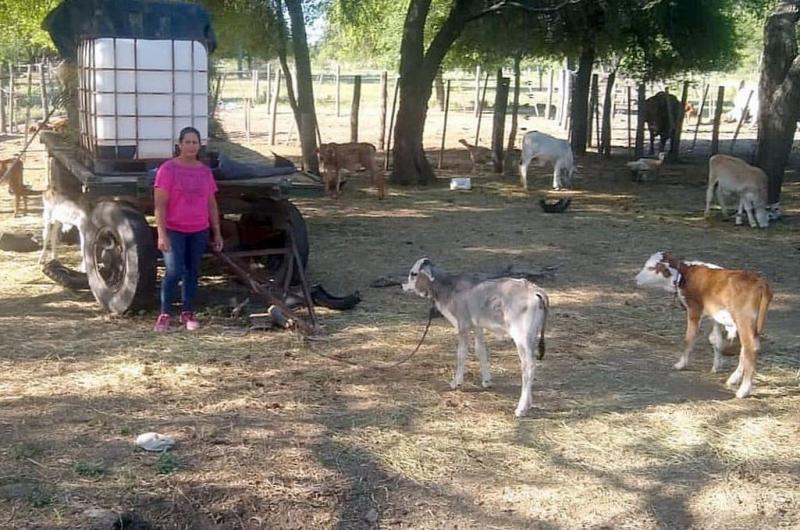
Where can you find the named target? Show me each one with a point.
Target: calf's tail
(766, 298)
(544, 305)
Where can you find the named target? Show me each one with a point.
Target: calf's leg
(483, 357)
(719, 343)
(461, 358)
(692, 326)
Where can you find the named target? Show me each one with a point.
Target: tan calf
(11, 170)
(351, 156)
(728, 174)
(737, 300)
(477, 155)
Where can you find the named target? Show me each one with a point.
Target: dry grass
(272, 435)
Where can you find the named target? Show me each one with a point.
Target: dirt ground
(273, 432)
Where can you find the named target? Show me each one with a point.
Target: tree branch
(520, 5)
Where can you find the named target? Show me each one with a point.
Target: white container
(461, 183)
(137, 94)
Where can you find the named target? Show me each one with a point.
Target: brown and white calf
(731, 175)
(737, 300)
(505, 306)
(351, 157)
(60, 214)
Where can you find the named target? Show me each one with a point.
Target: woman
(185, 207)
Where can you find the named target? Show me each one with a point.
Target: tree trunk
(418, 68)
(306, 124)
(779, 95)
(580, 101)
(410, 165)
(512, 135)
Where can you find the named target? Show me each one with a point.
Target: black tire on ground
(121, 258)
(264, 213)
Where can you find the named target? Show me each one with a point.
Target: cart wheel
(262, 216)
(121, 258)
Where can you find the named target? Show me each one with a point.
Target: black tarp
(74, 20)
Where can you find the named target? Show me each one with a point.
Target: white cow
(546, 149)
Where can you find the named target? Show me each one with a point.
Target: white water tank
(137, 94)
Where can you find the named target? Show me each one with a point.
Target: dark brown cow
(661, 113)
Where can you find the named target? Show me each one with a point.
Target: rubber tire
(137, 289)
(299, 233)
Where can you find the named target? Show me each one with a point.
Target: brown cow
(16, 186)
(661, 113)
(350, 156)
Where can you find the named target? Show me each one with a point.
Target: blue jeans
(182, 262)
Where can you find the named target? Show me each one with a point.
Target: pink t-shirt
(189, 188)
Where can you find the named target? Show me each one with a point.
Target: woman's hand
(163, 242)
(216, 243)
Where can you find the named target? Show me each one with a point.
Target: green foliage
(666, 38)
(166, 464)
(22, 37)
(243, 25)
(367, 33)
(89, 469)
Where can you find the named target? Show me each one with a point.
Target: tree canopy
(22, 36)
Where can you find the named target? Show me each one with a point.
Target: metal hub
(109, 258)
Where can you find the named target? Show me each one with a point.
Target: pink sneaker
(162, 324)
(191, 323)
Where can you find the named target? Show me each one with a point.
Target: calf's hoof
(455, 384)
(734, 379)
(744, 391)
(486, 383)
(680, 365)
(520, 412)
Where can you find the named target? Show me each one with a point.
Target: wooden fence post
(275, 106)
(269, 88)
(43, 90)
(638, 150)
(3, 122)
(675, 145)
(498, 127)
(391, 124)
(384, 89)
(593, 94)
(12, 122)
(699, 116)
(717, 116)
(28, 102)
(477, 106)
(630, 110)
(480, 110)
(338, 88)
(741, 120)
(354, 108)
(444, 125)
(548, 113)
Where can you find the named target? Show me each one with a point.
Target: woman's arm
(161, 198)
(213, 218)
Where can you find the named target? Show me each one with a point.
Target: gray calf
(506, 306)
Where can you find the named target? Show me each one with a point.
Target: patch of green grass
(166, 464)
(40, 498)
(89, 469)
(125, 431)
